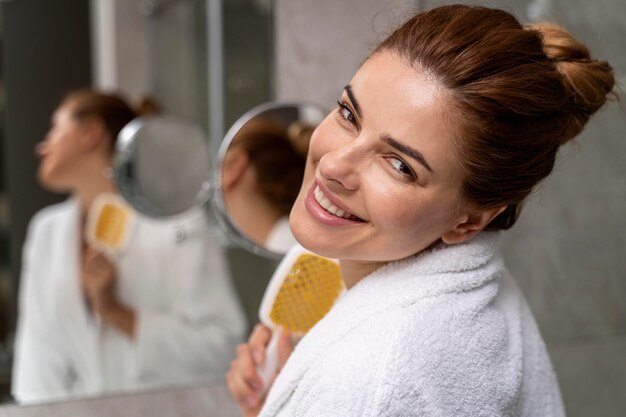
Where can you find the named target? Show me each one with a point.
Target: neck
(92, 184)
(354, 271)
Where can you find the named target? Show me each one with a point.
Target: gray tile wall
(568, 251)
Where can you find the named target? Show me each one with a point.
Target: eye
(403, 168)
(346, 114)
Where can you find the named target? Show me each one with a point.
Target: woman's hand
(98, 280)
(243, 381)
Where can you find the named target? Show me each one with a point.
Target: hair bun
(147, 105)
(588, 80)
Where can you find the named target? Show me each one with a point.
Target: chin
(49, 183)
(309, 240)
(298, 229)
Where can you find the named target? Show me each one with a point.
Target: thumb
(285, 348)
(89, 251)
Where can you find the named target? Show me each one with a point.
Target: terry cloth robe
(444, 333)
(189, 320)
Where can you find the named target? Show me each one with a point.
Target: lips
(328, 209)
(327, 205)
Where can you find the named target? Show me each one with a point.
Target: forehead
(64, 111)
(404, 102)
(389, 88)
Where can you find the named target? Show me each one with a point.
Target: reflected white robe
(444, 333)
(280, 238)
(189, 320)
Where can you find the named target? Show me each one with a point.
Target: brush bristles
(307, 293)
(111, 225)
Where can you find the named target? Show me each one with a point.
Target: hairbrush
(109, 223)
(302, 290)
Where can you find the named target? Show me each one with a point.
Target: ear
(471, 224)
(234, 167)
(94, 134)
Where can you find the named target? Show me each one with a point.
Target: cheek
(412, 212)
(319, 145)
(61, 157)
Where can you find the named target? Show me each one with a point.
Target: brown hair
(517, 92)
(112, 109)
(278, 158)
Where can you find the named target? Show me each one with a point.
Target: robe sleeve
(40, 370)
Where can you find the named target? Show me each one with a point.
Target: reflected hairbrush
(302, 290)
(109, 223)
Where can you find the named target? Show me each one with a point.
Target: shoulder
(454, 349)
(421, 356)
(53, 215)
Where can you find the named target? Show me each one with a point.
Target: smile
(326, 204)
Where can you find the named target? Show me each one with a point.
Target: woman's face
(60, 152)
(382, 177)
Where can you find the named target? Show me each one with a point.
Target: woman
(261, 177)
(435, 143)
(162, 312)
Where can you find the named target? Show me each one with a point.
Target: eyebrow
(413, 153)
(355, 103)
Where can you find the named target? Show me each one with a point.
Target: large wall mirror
(206, 62)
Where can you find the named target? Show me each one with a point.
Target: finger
(247, 396)
(259, 339)
(92, 265)
(87, 279)
(96, 258)
(90, 253)
(236, 386)
(243, 393)
(285, 348)
(246, 367)
(98, 268)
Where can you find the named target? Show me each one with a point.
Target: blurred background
(209, 61)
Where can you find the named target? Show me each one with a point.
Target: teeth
(330, 207)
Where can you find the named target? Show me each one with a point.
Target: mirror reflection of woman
(162, 312)
(261, 176)
(436, 141)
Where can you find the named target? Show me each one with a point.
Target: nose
(40, 149)
(343, 165)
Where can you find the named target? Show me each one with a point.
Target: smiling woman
(435, 143)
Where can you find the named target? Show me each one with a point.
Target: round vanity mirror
(163, 168)
(162, 165)
(259, 172)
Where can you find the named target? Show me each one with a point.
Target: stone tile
(567, 251)
(593, 378)
(320, 45)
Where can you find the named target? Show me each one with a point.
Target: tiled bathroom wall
(568, 250)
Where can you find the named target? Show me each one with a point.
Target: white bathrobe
(172, 275)
(445, 333)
